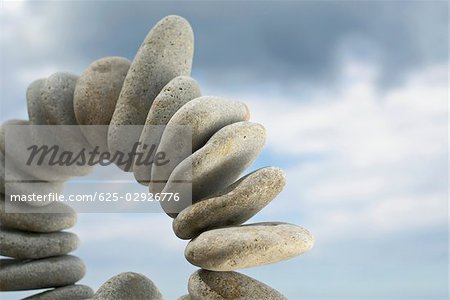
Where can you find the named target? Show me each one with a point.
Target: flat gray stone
(72, 292)
(17, 153)
(215, 166)
(173, 96)
(166, 53)
(29, 135)
(14, 181)
(27, 245)
(245, 246)
(53, 217)
(25, 135)
(128, 285)
(185, 297)
(204, 116)
(233, 206)
(12, 122)
(56, 271)
(36, 112)
(95, 97)
(210, 285)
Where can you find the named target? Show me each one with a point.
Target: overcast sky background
(354, 99)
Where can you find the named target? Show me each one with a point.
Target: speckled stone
(128, 285)
(204, 284)
(233, 206)
(27, 245)
(42, 273)
(173, 96)
(210, 285)
(245, 246)
(57, 99)
(214, 166)
(98, 89)
(72, 292)
(2, 137)
(95, 97)
(204, 116)
(2, 173)
(166, 53)
(36, 113)
(53, 217)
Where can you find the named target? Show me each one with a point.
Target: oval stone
(97, 90)
(245, 246)
(166, 53)
(27, 245)
(214, 166)
(190, 128)
(185, 297)
(211, 285)
(72, 292)
(36, 112)
(173, 96)
(233, 206)
(53, 217)
(95, 97)
(57, 99)
(128, 285)
(16, 275)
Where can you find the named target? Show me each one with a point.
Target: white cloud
(17, 34)
(384, 217)
(359, 121)
(28, 75)
(380, 157)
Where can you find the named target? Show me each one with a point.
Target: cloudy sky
(354, 100)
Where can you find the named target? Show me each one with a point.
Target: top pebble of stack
(166, 53)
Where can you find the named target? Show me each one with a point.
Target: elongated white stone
(245, 246)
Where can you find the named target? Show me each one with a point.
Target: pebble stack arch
(155, 88)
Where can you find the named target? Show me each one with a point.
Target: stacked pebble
(155, 89)
(33, 238)
(31, 234)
